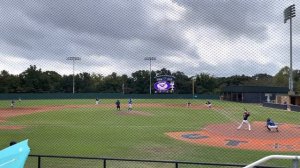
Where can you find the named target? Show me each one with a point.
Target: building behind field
(252, 94)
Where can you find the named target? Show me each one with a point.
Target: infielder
(12, 104)
(208, 104)
(188, 104)
(245, 120)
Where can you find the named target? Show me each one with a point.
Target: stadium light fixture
(74, 59)
(289, 13)
(150, 59)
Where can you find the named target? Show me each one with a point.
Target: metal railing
(104, 161)
(295, 160)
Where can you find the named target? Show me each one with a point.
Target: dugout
(294, 100)
(252, 94)
(290, 102)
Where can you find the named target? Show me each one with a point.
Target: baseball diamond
(160, 129)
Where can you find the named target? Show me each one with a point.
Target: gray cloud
(105, 33)
(234, 18)
(98, 26)
(119, 19)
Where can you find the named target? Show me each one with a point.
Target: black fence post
(39, 162)
(104, 163)
(176, 165)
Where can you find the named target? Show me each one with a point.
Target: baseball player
(271, 125)
(208, 104)
(12, 104)
(245, 120)
(118, 103)
(97, 101)
(188, 104)
(130, 104)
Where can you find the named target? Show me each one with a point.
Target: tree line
(34, 80)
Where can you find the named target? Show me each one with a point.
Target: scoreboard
(164, 84)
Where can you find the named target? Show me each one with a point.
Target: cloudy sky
(219, 37)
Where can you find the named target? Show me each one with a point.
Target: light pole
(150, 59)
(289, 13)
(193, 86)
(73, 59)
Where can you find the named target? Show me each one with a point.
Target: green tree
(127, 84)
(112, 83)
(67, 83)
(32, 80)
(85, 83)
(296, 77)
(141, 81)
(97, 82)
(183, 84)
(9, 83)
(282, 77)
(54, 81)
(205, 83)
(260, 80)
(237, 80)
(163, 71)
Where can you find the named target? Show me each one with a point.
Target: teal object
(14, 156)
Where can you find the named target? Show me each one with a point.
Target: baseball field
(159, 129)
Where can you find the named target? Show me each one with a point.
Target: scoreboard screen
(164, 84)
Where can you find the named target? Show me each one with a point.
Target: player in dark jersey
(208, 104)
(118, 103)
(245, 120)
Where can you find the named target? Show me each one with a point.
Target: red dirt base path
(6, 113)
(259, 138)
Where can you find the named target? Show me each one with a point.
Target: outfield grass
(100, 132)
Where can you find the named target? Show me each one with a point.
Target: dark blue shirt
(270, 123)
